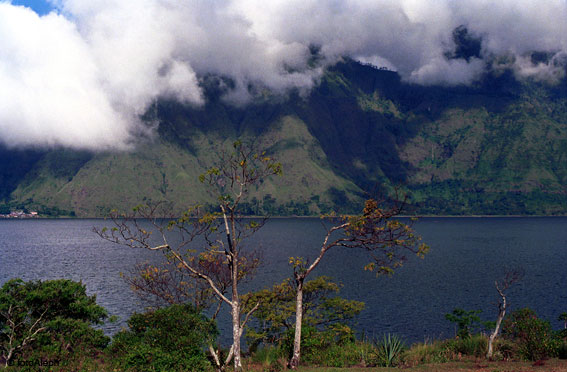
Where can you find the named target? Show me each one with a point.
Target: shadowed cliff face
(14, 165)
(498, 146)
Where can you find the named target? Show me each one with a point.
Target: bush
(467, 321)
(169, 339)
(444, 351)
(271, 358)
(335, 347)
(424, 353)
(475, 345)
(504, 349)
(49, 320)
(533, 336)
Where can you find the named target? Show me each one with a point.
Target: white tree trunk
(215, 355)
(235, 312)
(294, 362)
(501, 314)
(236, 333)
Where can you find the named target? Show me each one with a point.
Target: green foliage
(474, 345)
(329, 347)
(169, 339)
(50, 319)
(389, 350)
(442, 351)
(466, 321)
(74, 343)
(275, 316)
(386, 238)
(425, 353)
(533, 336)
(271, 358)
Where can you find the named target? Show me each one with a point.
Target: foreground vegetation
(49, 326)
(467, 365)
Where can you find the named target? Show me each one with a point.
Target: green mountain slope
(165, 171)
(499, 147)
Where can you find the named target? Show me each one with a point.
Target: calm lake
(467, 255)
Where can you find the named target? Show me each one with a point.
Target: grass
(465, 365)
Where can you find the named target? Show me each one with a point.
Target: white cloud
(50, 92)
(83, 77)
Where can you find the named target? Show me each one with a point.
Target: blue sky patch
(41, 7)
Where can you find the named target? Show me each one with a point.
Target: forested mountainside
(497, 147)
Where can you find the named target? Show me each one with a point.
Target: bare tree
(220, 234)
(19, 331)
(563, 317)
(375, 231)
(510, 278)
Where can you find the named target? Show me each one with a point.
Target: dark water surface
(467, 255)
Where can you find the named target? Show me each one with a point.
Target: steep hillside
(499, 147)
(166, 171)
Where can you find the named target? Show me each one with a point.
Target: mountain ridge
(497, 147)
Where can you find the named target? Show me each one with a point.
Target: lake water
(467, 255)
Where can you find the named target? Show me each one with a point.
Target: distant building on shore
(20, 214)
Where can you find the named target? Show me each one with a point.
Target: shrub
(335, 347)
(49, 320)
(169, 339)
(466, 321)
(504, 349)
(475, 345)
(271, 358)
(424, 353)
(533, 336)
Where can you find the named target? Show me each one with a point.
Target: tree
(376, 231)
(465, 321)
(320, 310)
(510, 278)
(169, 283)
(220, 234)
(563, 317)
(32, 309)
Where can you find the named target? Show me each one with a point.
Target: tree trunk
(215, 356)
(232, 256)
(501, 314)
(236, 327)
(9, 358)
(236, 335)
(235, 312)
(294, 362)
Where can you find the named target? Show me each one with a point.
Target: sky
(41, 7)
(80, 73)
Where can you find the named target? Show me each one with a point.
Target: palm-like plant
(389, 350)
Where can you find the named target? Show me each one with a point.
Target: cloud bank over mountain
(81, 76)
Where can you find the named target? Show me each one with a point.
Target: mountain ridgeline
(498, 147)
